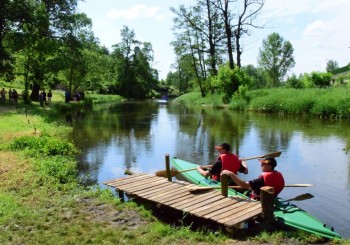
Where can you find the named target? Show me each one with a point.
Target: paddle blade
(299, 185)
(201, 188)
(301, 197)
(163, 173)
(273, 154)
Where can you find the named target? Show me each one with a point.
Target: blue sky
(318, 29)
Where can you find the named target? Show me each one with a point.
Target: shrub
(36, 146)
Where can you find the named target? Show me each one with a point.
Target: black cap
(223, 146)
(269, 160)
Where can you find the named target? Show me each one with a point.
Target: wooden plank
(142, 185)
(153, 191)
(199, 200)
(173, 199)
(125, 177)
(234, 211)
(168, 196)
(128, 180)
(204, 204)
(253, 213)
(238, 216)
(164, 189)
(219, 204)
(223, 210)
(179, 203)
(137, 182)
(239, 212)
(163, 195)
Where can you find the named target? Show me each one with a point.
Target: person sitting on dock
(269, 177)
(226, 161)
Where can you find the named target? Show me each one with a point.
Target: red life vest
(230, 162)
(274, 179)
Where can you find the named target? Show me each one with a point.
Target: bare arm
(203, 172)
(236, 179)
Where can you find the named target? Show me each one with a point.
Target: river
(138, 135)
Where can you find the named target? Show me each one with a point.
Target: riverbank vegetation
(331, 103)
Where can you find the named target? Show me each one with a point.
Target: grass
(321, 103)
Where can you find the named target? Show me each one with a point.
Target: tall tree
(332, 65)
(13, 14)
(201, 22)
(246, 15)
(276, 57)
(135, 76)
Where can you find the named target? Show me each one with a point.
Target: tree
(332, 65)
(276, 57)
(132, 63)
(237, 25)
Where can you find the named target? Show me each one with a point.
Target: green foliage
(132, 62)
(317, 79)
(323, 103)
(195, 98)
(60, 168)
(240, 98)
(294, 82)
(41, 146)
(332, 65)
(228, 81)
(276, 57)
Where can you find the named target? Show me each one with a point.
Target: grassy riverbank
(41, 201)
(321, 103)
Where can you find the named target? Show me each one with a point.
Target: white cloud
(317, 29)
(137, 11)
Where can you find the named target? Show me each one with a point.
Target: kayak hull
(285, 213)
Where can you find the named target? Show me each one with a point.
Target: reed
(322, 103)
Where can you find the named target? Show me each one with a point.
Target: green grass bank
(333, 103)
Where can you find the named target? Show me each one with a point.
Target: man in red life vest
(226, 161)
(269, 177)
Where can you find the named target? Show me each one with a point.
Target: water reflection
(138, 135)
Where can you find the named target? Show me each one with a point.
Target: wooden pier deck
(211, 205)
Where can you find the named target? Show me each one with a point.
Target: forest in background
(47, 44)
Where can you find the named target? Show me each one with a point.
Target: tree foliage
(331, 65)
(135, 77)
(276, 57)
(317, 79)
(228, 81)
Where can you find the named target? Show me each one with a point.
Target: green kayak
(285, 213)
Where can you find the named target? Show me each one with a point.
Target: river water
(138, 135)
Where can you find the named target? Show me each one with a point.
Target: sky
(318, 29)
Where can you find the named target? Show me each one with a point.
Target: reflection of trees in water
(202, 130)
(274, 140)
(122, 126)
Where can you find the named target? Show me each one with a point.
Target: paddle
(163, 173)
(173, 172)
(273, 154)
(300, 197)
(237, 187)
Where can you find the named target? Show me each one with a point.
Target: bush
(228, 81)
(36, 146)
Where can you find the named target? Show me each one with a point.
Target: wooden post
(267, 198)
(224, 185)
(121, 195)
(167, 166)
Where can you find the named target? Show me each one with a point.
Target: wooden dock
(210, 205)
